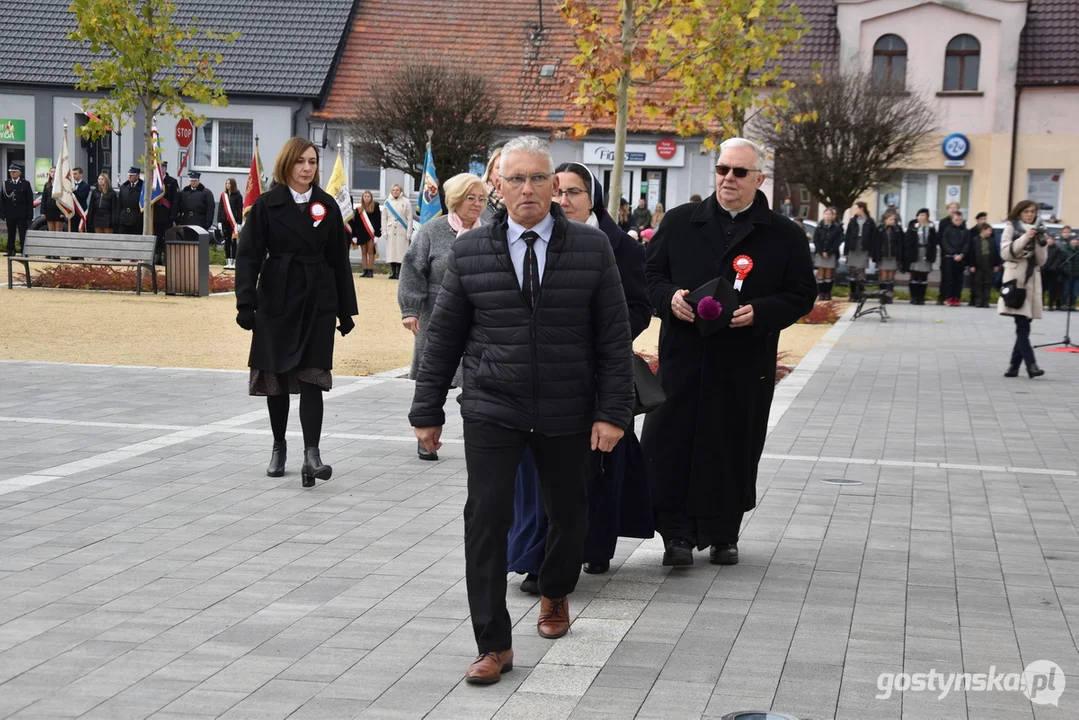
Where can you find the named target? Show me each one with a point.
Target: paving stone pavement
(149, 568)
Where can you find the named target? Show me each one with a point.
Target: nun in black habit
(618, 499)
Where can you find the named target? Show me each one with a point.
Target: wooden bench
(883, 297)
(65, 248)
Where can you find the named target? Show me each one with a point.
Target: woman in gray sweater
(425, 264)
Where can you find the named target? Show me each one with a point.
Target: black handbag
(1014, 296)
(647, 388)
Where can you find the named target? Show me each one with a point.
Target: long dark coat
(702, 446)
(306, 281)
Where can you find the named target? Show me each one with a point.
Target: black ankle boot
(1012, 371)
(313, 467)
(276, 468)
(1034, 371)
(828, 290)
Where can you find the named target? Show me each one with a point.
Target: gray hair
(527, 144)
(762, 156)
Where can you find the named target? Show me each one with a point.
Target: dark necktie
(531, 269)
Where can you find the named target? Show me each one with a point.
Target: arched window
(890, 61)
(961, 61)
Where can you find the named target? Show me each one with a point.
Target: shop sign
(637, 154)
(12, 130)
(955, 146)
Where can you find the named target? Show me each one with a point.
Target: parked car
(842, 272)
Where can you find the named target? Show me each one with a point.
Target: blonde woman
(396, 229)
(494, 195)
(657, 216)
(367, 229)
(426, 260)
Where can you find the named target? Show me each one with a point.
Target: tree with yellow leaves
(705, 67)
(146, 62)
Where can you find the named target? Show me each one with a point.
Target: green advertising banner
(12, 130)
(41, 173)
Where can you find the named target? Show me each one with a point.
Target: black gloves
(346, 326)
(246, 319)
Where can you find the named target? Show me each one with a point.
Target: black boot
(820, 289)
(1034, 371)
(827, 289)
(276, 468)
(855, 290)
(1012, 371)
(313, 468)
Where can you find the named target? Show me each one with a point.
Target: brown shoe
(487, 669)
(554, 617)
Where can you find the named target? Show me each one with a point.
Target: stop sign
(185, 132)
(666, 148)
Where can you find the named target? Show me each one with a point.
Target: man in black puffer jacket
(532, 307)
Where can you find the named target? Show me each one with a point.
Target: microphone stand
(1067, 341)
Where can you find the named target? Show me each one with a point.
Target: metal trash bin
(187, 261)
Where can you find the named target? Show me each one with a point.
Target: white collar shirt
(519, 247)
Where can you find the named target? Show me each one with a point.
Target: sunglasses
(739, 172)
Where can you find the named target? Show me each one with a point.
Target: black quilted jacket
(555, 370)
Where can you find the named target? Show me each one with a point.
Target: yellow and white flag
(338, 187)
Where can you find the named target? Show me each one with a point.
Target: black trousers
(953, 270)
(981, 282)
(16, 226)
(1022, 350)
(492, 454)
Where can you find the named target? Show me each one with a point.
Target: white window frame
(214, 166)
(382, 190)
(1060, 189)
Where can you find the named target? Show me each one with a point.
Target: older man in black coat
(532, 308)
(703, 445)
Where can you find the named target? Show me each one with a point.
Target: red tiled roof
(500, 38)
(1049, 44)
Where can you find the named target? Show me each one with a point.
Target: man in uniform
(16, 206)
(703, 445)
(130, 210)
(197, 203)
(165, 211)
(82, 197)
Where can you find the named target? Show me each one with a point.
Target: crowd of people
(526, 295)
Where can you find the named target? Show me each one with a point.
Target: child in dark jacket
(984, 262)
(954, 251)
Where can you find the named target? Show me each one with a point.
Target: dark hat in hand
(714, 303)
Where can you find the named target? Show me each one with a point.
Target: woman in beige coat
(1020, 243)
(396, 229)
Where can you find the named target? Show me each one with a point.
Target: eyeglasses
(739, 172)
(476, 198)
(571, 192)
(517, 181)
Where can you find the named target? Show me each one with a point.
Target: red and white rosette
(743, 264)
(318, 212)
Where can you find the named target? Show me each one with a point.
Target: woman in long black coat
(619, 504)
(294, 241)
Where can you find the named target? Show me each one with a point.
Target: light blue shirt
(519, 247)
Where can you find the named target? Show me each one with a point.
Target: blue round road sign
(955, 146)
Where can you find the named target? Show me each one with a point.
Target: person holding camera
(1023, 249)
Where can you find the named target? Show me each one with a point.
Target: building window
(365, 177)
(890, 62)
(961, 63)
(224, 144)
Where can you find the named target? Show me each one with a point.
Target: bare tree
(843, 134)
(457, 104)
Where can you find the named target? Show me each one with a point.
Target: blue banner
(430, 202)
